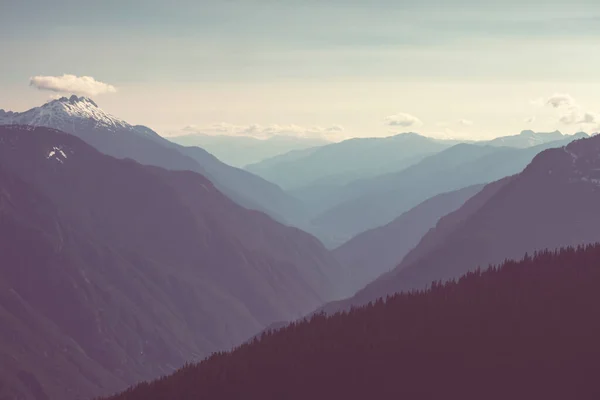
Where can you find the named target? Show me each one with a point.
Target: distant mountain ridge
(374, 202)
(240, 151)
(552, 203)
(528, 138)
(342, 162)
(360, 158)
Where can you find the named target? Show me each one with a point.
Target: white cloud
(450, 134)
(572, 113)
(530, 120)
(333, 132)
(575, 116)
(590, 118)
(571, 117)
(81, 85)
(404, 120)
(561, 100)
(465, 122)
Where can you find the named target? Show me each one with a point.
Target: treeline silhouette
(525, 330)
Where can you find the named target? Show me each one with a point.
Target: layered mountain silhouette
(552, 203)
(113, 271)
(82, 117)
(527, 138)
(378, 201)
(374, 252)
(526, 330)
(240, 151)
(352, 159)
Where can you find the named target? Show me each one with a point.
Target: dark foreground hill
(112, 272)
(527, 330)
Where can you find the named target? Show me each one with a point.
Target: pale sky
(473, 68)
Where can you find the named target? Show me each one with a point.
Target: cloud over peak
(402, 119)
(72, 84)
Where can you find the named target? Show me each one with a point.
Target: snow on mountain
(65, 112)
(527, 139)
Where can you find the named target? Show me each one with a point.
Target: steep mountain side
(374, 252)
(138, 268)
(522, 331)
(552, 203)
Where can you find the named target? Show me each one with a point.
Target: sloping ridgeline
(525, 330)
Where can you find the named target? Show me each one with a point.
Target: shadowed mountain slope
(126, 271)
(552, 203)
(374, 252)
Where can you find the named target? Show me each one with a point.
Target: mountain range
(526, 139)
(340, 163)
(82, 117)
(125, 255)
(113, 272)
(353, 159)
(550, 204)
(240, 151)
(369, 203)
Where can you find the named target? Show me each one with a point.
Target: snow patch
(57, 154)
(574, 156)
(591, 180)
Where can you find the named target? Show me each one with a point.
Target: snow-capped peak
(65, 114)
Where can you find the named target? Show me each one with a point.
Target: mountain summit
(63, 113)
(529, 138)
